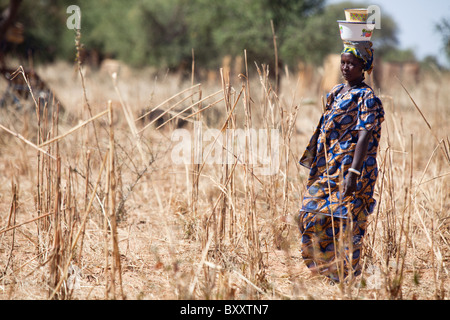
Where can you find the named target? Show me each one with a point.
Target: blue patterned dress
(326, 218)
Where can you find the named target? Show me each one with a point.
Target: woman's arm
(358, 158)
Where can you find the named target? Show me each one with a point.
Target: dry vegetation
(99, 210)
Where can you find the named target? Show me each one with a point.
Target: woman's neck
(355, 83)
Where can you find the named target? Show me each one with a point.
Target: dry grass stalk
(111, 220)
(169, 110)
(81, 125)
(256, 265)
(86, 104)
(20, 137)
(22, 72)
(12, 216)
(168, 100)
(187, 108)
(81, 229)
(444, 149)
(129, 117)
(14, 226)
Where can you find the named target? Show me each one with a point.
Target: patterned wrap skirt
(332, 246)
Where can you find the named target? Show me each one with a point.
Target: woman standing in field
(341, 156)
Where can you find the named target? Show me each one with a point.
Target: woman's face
(351, 67)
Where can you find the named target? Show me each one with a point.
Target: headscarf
(362, 50)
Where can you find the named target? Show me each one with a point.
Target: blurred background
(166, 33)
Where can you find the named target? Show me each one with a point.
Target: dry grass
(94, 207)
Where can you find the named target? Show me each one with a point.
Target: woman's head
(352, 68)
(361, 50)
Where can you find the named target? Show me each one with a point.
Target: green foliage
(43, 40)
(313, 38)
(397, 55)
(443, 27)
(163, 33)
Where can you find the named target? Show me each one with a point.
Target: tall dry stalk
(11, 220)
(256, 264)
(110, 220)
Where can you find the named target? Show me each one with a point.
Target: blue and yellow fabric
(329, 155)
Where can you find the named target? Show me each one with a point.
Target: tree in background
(219, 28)
(42, 38)
(443, 27)
(163, 33)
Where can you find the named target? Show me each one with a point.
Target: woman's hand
(349, 185)
(350, 181)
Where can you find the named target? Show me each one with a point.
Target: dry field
(94, 205)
